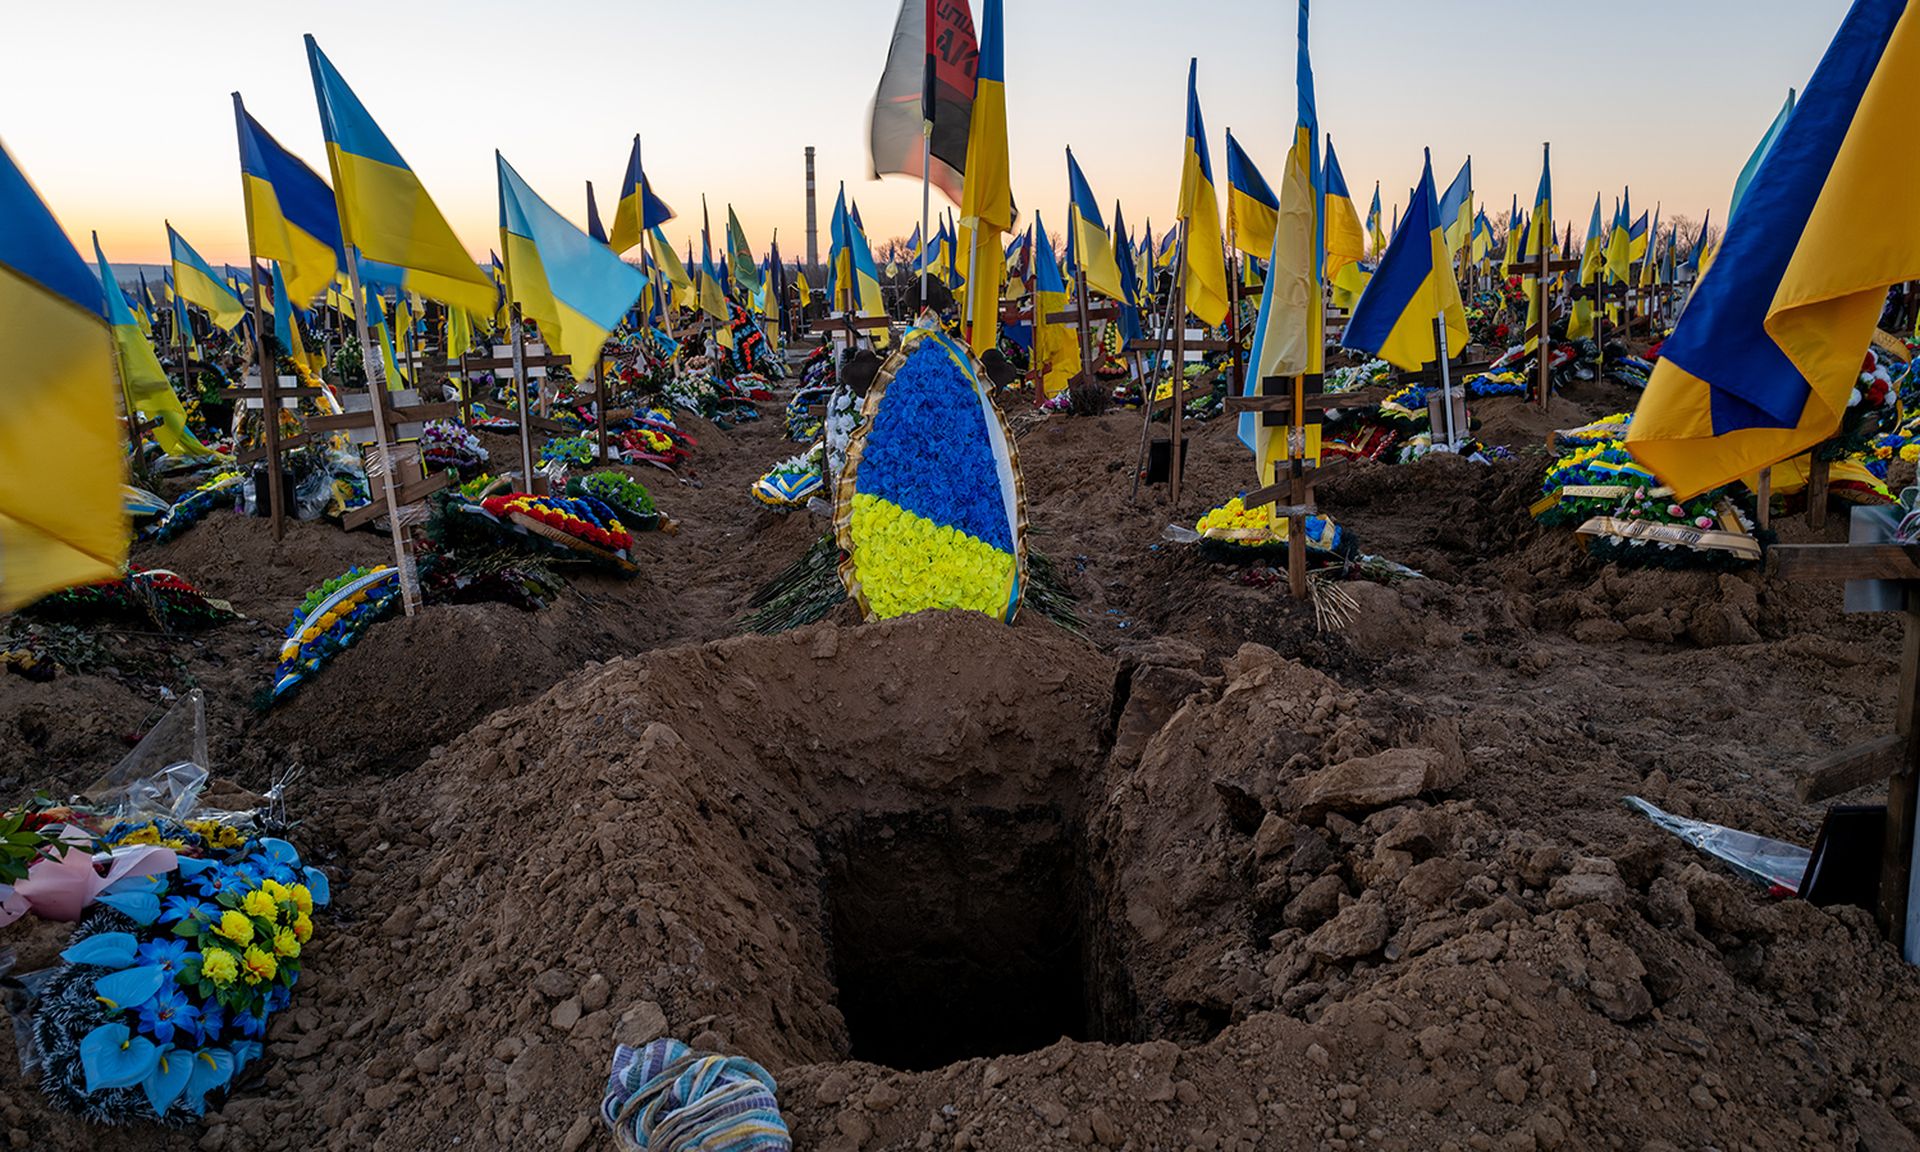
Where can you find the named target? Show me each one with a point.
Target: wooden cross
(1894, 758)
(1294, 403)
(1543, 328)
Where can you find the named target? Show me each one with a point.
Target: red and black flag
(929, 80)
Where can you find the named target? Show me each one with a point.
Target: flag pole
(402, 559)
(269, 396)
(926, 152)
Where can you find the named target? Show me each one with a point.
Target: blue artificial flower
(210, 1022)
(166, 1011)
(277, 1001)
(167, 954)
(252, 1025)
(178, 908)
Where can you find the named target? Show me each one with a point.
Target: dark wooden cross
(1295, 403)
(1894, 758)
(1542, 273)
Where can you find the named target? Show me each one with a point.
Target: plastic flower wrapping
(930, 512)
(222, 491)
(1235, 524)
(192, 929)
(447, 444)
(793, 481)
(331, 619)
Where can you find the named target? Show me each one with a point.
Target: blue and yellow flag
(1091, 248)
(1346, 240)
(1456, 208)
(639, 211)
(1539, 245)
(1481, 245)
(291, 218)
(1252, 207)
(1056, 353)
(1516, 239)
(1205, 274)
(1414, 285)
(865, 273)
(1760, 153)
(1762, 364)
(1620, 241)
(562, 278)
(62, 465)
(672, 271)
(385, 211)
(986, 203)
(195, 282)
(1693, 264)
(1131, 331)
(1593, 259)
(145, 381)
(742, 267)
(594, 228)
(1375, 237)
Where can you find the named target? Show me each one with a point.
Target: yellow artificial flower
(217, 965)
(145, 834)
(259, 966)
(303, 899)
(275, 889)
(258, 903)
(302, 928)
(236, 927)
(286, 944)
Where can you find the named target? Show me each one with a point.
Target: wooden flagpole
(402, 559)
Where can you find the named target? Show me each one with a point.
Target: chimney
(813, 219)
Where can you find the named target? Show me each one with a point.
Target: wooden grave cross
(1542, 274)
(1894, 758)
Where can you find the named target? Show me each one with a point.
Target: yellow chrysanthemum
(235, 926)
(259, 966)
(303, 899)
(285, 944)
(258, 903)
(218, 965)
(302, 928)
(275, 889)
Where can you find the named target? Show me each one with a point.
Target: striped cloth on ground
(665, 1097)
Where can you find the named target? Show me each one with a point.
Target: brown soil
(1203, 878)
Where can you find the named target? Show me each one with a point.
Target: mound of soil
(1209, 877)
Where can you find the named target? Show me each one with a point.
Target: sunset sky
(120, 112)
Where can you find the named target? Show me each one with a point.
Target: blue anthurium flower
(245, 1052)
(166, 1012)
(192, 866)
(131, 988)
(168, 1079)
(280, 850)
(155, 884)
(103, 950)
(113, 1057)
(177, 908)
(210, 1068)
(319, 887)
(277, 1001)
(143, 908)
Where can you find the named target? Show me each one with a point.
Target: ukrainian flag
(1699, 246)
(1620, 241)
(1394, 319)
(1346, 242)
(1762, 363)
(1374, 235)
(61, 461)
(1092, 247)
(595, 229)
(1456, 208)
(1205, 274)
(1251, 204)
(291, 218)
(1593, 258)
(1056, 353)
(674, 272)
(195, 282)
(741, 264)
(1516, 233)
(986, 203)
(145, 381)
(1760, 154)
(639, 211)
(1481, 246)
(865, 273)
(562, 278)
(1539, 244)
(385, 211)
(1130, 329)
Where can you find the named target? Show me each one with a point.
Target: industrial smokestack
(813, 219)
